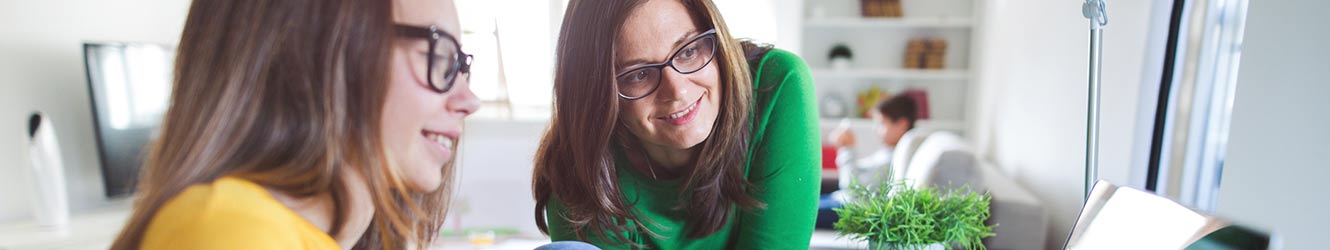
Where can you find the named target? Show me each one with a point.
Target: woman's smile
(441, 143)
(684, 116)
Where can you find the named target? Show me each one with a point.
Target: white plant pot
(934, 246)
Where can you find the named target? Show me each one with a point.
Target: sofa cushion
(933, 151)
(904, 151)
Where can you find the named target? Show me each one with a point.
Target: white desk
(87, 230)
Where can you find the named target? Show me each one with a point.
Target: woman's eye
(688, 52)
(638, 76)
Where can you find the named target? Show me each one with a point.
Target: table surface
(96, 229)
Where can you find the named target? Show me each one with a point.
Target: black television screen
(130, 86)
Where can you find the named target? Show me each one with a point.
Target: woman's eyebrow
(673, 47)
(682, 38)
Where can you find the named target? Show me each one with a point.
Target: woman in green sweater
(669, 134)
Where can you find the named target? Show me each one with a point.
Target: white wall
(1276, 168)
(1032, 103)
(494, 178)
(41, 68)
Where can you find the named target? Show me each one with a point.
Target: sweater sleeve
(560, 229)
(784, 168)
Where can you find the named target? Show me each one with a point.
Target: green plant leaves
(896, 216)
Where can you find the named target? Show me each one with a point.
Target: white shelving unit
(952, 125)
(888, 74)
(885, 22)
(878, 46)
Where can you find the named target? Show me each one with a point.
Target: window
(1191, 139)
(514, 48)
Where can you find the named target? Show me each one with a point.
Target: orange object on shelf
(868, 99)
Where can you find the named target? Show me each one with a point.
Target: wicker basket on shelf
(881, 8)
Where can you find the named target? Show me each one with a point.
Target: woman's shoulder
(781, 57)
(222, 212)
(775, 59)
(778, 67)
(227, 196)
(784, 102)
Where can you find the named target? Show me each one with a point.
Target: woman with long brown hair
(306, 124)
(669, 134)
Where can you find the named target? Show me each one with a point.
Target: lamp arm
(1097, 13)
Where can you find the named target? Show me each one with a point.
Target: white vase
(841, 63)
(50, 202)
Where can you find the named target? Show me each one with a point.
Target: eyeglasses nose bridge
(672, 81)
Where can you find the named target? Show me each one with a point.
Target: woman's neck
(318, 209)
(669, 162)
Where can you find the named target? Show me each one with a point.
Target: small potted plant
(896, 216)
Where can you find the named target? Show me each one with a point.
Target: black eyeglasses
(445, 60)
(638, 82)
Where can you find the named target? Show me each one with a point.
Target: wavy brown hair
(286, 94)
(575, 162)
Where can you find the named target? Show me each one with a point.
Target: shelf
(865, 123)
(906, 74)
(888, 22)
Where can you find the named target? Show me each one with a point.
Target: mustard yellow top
(231, 213)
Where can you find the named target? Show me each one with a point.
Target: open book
(1125, 218)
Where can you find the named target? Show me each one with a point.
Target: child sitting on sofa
(892, 119)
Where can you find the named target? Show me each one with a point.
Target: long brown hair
(286, 94)
(575, 162)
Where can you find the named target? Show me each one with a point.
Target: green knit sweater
(783, 167)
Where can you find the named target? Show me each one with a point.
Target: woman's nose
(461, 99)
(674, 86)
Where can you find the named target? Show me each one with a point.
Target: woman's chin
(423, 175)
(687, 142)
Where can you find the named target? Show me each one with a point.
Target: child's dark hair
(899, 107)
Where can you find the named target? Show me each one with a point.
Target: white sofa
(945, 161)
